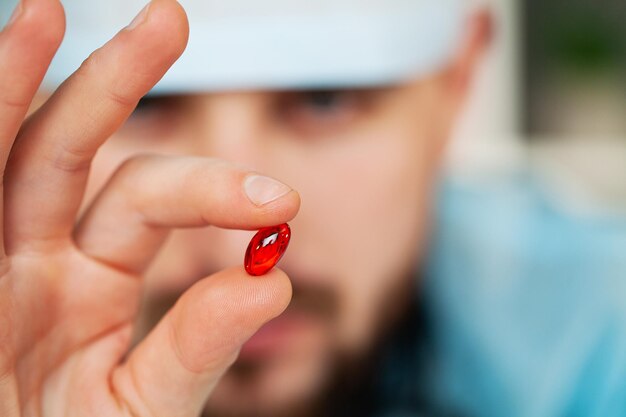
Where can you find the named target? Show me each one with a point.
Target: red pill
(266, 248)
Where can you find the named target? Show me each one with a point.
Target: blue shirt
(527, 305)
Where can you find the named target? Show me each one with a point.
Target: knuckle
(132, 169)
(91, 65)
(132, 165)
(70, 160)
(195, 168)
(180, 354)
(53, 30)
(194, 349)
(91, 71)
(126, 388)
(121, 99)
(201, 169)
(17, 103)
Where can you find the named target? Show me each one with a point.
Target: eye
(325, 102)
(321, 112)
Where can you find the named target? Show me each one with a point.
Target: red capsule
(266, 248)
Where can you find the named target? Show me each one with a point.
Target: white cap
(251, 44)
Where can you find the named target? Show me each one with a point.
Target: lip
(277, 335)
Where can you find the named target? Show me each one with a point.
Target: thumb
(173, 371)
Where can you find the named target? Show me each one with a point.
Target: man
(349, 104)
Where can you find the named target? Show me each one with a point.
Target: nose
(231, 126)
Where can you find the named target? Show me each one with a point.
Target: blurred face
(363, 162)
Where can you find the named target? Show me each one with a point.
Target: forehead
(278, 44)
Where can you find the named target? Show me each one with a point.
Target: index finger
(48, 168)
(148, 195)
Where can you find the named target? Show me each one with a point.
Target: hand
(69, 288)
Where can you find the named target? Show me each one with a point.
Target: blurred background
(527, 286)
(552, 92)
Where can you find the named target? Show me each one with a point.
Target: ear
(454, 81)
(476, 40)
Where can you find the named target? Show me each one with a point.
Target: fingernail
(140, 18)
(16, 13)
(262, 190)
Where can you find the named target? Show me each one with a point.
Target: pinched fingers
(148, 195)
(49, 163)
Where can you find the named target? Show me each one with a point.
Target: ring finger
(36, 27)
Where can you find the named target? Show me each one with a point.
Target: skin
(88, 255)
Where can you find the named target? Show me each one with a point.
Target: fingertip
(283, 287)
(272, 201)
(169, 17)
(281, 210)
(182, 19)
(140, 54)
(42, 23)
(273, 291)
(214, 318)
(295, 202)
(262, 297)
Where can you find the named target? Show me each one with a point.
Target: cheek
(366, 209)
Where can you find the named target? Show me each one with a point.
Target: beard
(349, 385)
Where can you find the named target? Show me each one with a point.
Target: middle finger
(49, 164)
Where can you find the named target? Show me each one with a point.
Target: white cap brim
(339, 47)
